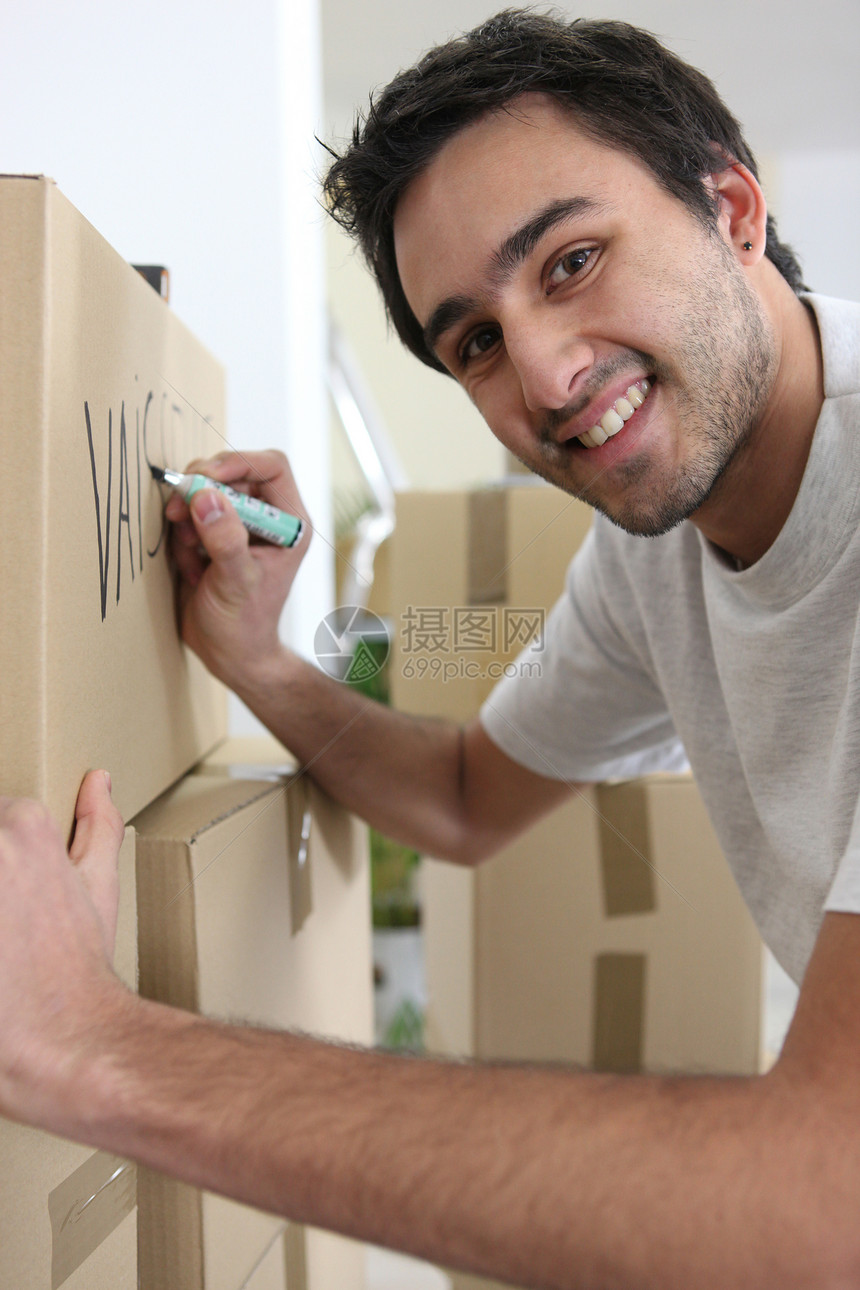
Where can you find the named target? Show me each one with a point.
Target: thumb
(94, 851)
(223, 535)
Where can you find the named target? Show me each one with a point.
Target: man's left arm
(536, 1175)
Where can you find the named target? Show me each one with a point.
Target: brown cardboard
(316, 1260)
(463, 563)
(536, 970)
(539, 953)
(216, 936)
(98, 378)
(68, 1214)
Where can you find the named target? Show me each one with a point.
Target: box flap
(199, 803)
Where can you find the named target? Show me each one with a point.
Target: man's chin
(639, 525)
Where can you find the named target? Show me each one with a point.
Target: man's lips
(615, 415)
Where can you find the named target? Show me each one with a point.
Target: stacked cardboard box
(253, 897)
(611, 935)
(472, 574)
(98, 380)
(252, 890)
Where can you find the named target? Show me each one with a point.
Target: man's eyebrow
(447, 315)
(523, 240)
(503, 262)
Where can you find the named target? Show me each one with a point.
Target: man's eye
(479, 343)
(568, 266)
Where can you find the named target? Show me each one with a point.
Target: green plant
(393, 867)
(406, 1031)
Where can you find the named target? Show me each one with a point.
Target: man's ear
(742, 213)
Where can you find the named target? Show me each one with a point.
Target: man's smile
(616, 415)
(599, 418)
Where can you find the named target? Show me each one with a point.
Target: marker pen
(259, 517)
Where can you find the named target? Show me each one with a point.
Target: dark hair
(621, 85)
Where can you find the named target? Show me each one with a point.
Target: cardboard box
(473, 573)
(610, 936)
(98, 379)
(68, 1214)
(253, 903)
(618, 907)
(317, 1260)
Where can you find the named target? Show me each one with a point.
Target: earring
(747, 246)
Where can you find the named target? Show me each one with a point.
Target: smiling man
(566, 219)
(567, 286)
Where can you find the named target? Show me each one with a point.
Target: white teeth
(611, 422)
(613, 419)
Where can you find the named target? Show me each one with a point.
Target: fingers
(99, 832)
(188, 555)
(224, 539)
(269, 466)
(266, 474)
(99, 827)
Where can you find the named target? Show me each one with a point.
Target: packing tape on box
(488, 547)
(627, 877)
(296, 1256)
(619, 1012)
(85, 1208)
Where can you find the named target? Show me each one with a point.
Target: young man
(567, 220)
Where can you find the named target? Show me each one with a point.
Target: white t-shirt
(660, 649)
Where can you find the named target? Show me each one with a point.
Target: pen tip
(157, 473)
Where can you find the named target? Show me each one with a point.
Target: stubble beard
(727, 352)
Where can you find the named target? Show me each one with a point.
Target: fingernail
(108, 781)
(208, 505)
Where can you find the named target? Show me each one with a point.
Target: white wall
(817, 204)
(165, 124)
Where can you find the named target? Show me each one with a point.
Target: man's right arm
(447, 791)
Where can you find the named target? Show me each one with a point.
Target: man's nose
(550, 359)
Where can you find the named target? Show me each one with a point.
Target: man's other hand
(57, 929)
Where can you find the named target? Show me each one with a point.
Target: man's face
(560, 284)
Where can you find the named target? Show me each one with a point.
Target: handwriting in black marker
(104, 549)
